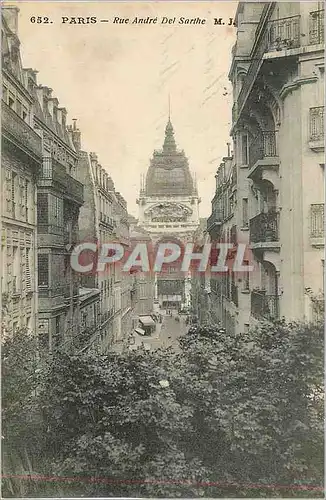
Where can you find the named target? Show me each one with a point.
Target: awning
(140, 331)
(146, 321)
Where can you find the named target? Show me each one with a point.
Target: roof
(168, 173)
(146, 320)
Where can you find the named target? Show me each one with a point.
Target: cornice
(295, 84)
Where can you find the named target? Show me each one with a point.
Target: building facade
(143, 282)
(277, 74)
(169, 211)
(21, 165)
(104, 219)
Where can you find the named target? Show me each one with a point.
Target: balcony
(283, 33)
(263, 146)
(264, 230)
(278, 36)
(316, 27)
(264, 306)
(317, 225)
(106, 220)
(18, 132)
(45, 291)
(316, 126)
(54, 175)
(215, 219)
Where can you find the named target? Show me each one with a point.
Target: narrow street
(166, 334)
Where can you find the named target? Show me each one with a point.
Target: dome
(168, 174)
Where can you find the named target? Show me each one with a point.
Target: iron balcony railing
(317, 220)
(55, 172)
(316, 121)
(316, 27)
(17, 130)
(264, 306)
(253, 70)
(279, 34)
(262, 146)
(284, 33)
(264, 227)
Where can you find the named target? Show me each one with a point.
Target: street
(166, 335)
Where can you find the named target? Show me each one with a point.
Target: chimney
(93, 160)
(10, 13)
(76, 135)
(105, 175)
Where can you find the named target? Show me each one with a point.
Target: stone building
(168, 210)
(59, 198)
(144, 283)
(104, 219)
(21, 165)
(221, 225)
(96, 226)
(277, 74)
(123, 282)
(200, 280)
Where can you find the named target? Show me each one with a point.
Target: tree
(263, 402)
(230, 410)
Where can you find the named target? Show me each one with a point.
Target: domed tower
(168, 210)
(168, 199)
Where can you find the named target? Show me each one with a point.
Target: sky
(115, 79)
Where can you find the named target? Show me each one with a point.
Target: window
(24, 114)
(28, 270)
(5, 94)
(244, 149)
(246, 277)
(84, 320)
(55, 211)
(47, 167)
(42, 211)
(26, 199)
(19, 108)
(11, 100)
(57, 325)
(245, 220)
(43, 270)
(13, 193)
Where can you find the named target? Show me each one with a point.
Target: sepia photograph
(162, 249)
